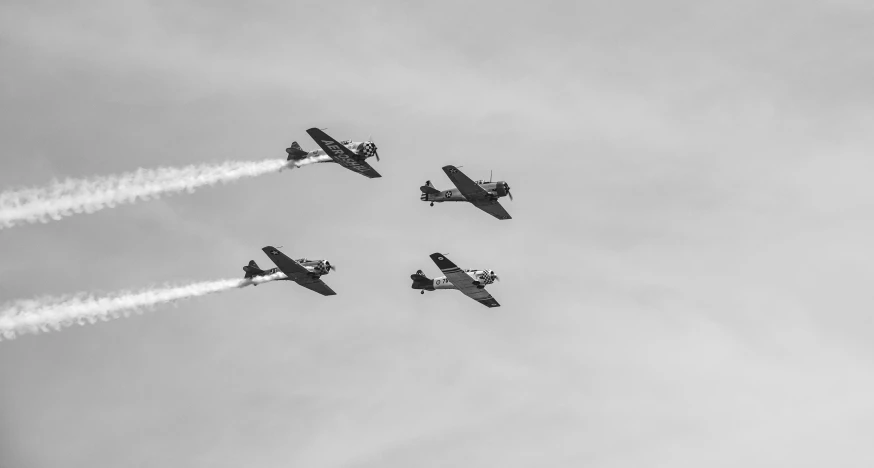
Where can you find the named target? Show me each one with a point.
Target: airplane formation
(353, 155)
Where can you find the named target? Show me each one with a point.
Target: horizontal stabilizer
(429, 189)
(420, 281)
(295, 151)
(252, 270)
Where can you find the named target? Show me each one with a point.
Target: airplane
(347, 153)
(481, 194)
(470, 282)
(304, 272)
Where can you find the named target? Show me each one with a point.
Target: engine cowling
(324, 267)
(366, 150)
(490, 275)
(487, 277)
(502, 189)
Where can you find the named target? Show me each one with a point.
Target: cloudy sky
(684, 283)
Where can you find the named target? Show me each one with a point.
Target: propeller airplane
(481, 194)
(304, 272)
(471, 283)
(347, 153)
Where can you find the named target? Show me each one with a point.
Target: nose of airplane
(370, 150)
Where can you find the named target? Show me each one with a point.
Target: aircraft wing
(493, 208)
(463, 282)
(475, 194)
(341, 154)
(296, 272)
(318, 286)
(467, 187)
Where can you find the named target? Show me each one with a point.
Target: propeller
(329, 266)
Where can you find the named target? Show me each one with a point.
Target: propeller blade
(375, 152)
(510, 194)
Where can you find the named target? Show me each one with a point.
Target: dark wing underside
(493, 208)
(318, 286)
(463, 282)
(475, 194)
(297, 273)
(341, 154)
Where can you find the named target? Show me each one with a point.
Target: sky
(684, 280)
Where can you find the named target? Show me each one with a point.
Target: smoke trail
(313, 159)
(70, 196)
(46, 314)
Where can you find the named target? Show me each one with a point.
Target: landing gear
(432, 203)
(423, 292)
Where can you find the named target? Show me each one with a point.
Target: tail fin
(420, 281)
(429, 189)
(295, 151)
(252, 270)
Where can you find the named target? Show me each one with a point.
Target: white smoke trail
(313, 159)
(70, 196)
(47, 314)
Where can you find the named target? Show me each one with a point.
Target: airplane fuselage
(495, 189)
(484, 277)
(316, 267)
(319, 155)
